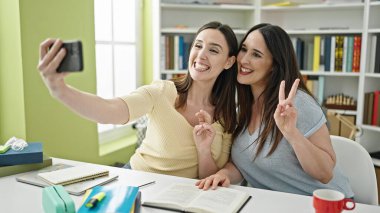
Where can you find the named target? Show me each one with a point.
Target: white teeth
(201, 67)
(245, 70)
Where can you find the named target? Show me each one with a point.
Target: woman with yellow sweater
(181, 138)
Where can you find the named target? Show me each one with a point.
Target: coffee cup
(331, 201)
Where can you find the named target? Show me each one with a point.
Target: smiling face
(209, 56)
(254, 60)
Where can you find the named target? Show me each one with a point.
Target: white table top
(16, 197)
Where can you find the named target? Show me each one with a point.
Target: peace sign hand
(285, 115)
(204, 132)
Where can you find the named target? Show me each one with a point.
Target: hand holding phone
(73, 60)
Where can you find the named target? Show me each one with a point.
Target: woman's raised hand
(51, 55)
(286, 114)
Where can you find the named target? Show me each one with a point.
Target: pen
(147, 184)
(95, 200)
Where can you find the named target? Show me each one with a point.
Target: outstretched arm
(315, 154)
(92, 107)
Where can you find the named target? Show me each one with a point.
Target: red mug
(331, 201)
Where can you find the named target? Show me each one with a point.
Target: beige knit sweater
(169, 147)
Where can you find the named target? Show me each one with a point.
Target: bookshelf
(304, 21)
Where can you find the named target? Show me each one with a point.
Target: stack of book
(28, 159)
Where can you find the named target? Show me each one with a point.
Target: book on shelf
(327, 54)
(322, 54)
(372, 55)
(300, 52)
(304, 56)
(344, 60)
(377, 55)
(73, 174)
(309, 56)
(332, 54)
(376, 108)
(317, 50)
(350, 53)
(16, 169)
(365, 108)
(339, 53)
(75, 189)
(117, 199)
(188, 198)
(370, 108)
(356, 54)
(31, 154)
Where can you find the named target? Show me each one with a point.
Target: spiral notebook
(73, 174)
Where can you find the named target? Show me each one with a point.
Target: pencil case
(56, 200)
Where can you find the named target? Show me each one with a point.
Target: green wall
(148, 43)
(26, 108)
(12, 115)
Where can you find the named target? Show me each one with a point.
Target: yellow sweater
(169, 147)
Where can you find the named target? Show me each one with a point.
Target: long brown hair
(284, 67)
(224, 89)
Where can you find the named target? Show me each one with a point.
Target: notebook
(73, 174)
(74, 189)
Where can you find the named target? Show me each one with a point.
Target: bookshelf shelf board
(174, 72)
(372, 75)
(340, 74)
(376, 30)
(344, 112)
(377, 3)
(313, 7)
(189, 30)
(320, 32)
(175, 30)
(208, 6)
(372, 128)
(376, 162)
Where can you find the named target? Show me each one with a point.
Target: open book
(73, 174)
(188, 198)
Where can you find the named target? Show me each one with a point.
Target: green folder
(11, 170)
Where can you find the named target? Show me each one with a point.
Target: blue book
(350, 53)
(327, 50)
(180, 52)
(299, 52)
(30, 154)
(186, 52)
(117, 199)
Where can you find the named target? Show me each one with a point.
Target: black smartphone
(73, 60)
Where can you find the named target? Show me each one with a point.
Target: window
(116, 30)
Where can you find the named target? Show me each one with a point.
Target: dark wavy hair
(284, 67)
(224, 89)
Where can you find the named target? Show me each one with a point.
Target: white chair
(357, 165)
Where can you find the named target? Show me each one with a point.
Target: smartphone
(73, 60)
